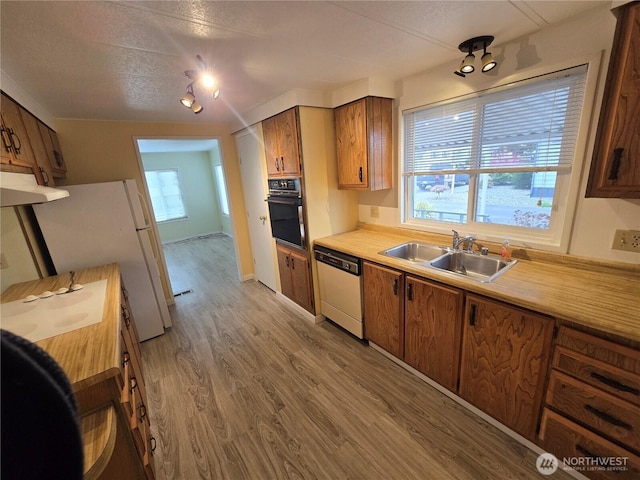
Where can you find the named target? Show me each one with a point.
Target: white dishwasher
(340, 278)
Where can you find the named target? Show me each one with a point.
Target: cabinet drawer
(569, 440)
(609, 415)
(137, 419)
(593, 347)
(618, 382)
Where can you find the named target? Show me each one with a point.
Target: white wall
(17, 258)
(586, 39)
(199, 194)
(225, 220)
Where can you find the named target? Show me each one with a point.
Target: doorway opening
(185, 180)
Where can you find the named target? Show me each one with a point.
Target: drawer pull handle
(142, 412)
(615, 384)
(153, 443)
(134, 383)
(608, 418)
(125, 358)
(585, 452)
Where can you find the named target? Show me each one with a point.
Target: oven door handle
(285, 200)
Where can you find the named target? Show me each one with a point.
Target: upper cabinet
(28, 145)
(281, 144)
(17, 153)
(54, 153)
(363, 144)
(615, 167)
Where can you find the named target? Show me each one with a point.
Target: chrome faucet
(457, 241)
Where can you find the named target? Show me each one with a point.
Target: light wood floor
(243, 388)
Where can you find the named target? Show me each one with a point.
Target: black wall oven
(285, 211)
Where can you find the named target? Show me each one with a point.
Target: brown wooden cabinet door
(288, 143)
(37, 144)
(22, 153)
(433, 330)
(281, 144)
(351, 145)
(286, 284)
(271, 150)
(505, 355)
(379, 122)
(58, 165)
(615, 168)
(300, 275)
(384, 308)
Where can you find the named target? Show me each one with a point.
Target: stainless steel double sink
(483, 268)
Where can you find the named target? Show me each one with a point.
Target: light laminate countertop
(89, 356)
(603, 296)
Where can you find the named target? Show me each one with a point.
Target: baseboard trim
(307, 315)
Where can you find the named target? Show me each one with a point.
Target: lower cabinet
(415, 320)
(504, 362)
(384, 307)
(592, 405)
(295, 276)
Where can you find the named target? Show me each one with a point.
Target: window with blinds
(166, 195)
(496, 157)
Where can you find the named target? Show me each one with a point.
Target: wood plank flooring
(243, 388)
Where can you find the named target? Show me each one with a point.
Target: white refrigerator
(103, 223)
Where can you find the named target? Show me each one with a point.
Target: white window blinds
(531, 126)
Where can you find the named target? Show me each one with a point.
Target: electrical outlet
(374, 212)
(627, 240)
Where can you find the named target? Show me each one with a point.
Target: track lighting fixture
(472, 45)
(205, 79)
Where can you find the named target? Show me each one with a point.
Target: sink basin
(484, 268)
(415, 251)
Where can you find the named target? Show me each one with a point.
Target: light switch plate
(627, 240)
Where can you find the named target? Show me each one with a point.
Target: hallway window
(166, 196)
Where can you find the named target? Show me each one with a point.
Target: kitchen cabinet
(384, 307)
(17, 154)
(32, 126)
(104, 365)
(504, 361)
(54, 152)
(592, 405)
(364, 144)
(615, 166)
(415, 320)
(281, 144)
(295, 275)
(433, 330)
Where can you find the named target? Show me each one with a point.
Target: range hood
(22, 189)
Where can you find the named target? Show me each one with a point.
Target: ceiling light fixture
(473, 45)
(205, 79)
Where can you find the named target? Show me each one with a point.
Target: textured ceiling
(126, 60)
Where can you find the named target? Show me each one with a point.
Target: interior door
(254, 184)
